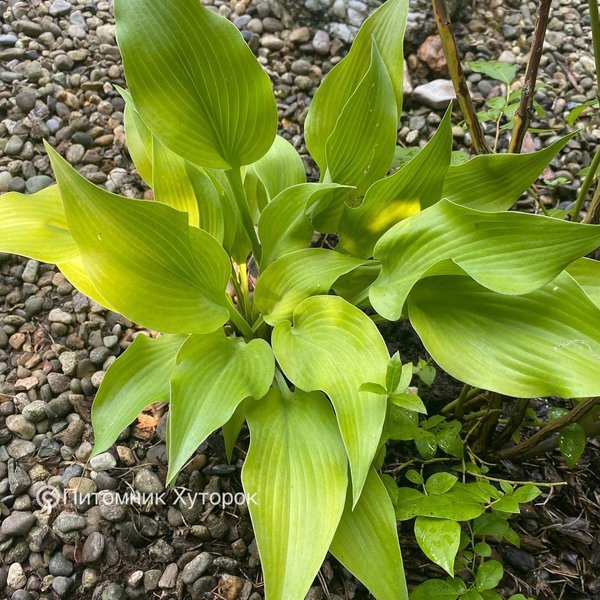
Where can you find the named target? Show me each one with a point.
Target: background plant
(486, 289)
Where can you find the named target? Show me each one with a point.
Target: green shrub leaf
(460, 504)
(508, 252)
(144, 258)
(214, 373)
(386, 26)
(295, 476)
(439, 590)
(494, 182)
(388, 201)
(439, 539)
(334, 347)
(496, 69)
(195, 82)
(488, 575)
(440, 483)
(545, 343)
(571, 442)
(297, 276)
(366, 542)
(586, 273)
(138, 378)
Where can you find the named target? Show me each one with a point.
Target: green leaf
(439, 539)
(138, 378)
(171, 183)
(472, 595)
(361, 147)
(488, 575)
(366, 542)
(393, 374)
(144, 258)
(482, 549)
(586, 273)
(214, 373)
(458, 504)
(416, 185)
(494, 182)
(284, 225)
(139, 138)
(354, 286)
(440, 483)
(334, 347)
(545, 343)
(575, 112)
(508, 252)
(571, 442)
(496, 69)
(195, 82)
(439, 590)
(527, 493)
(373, 388)
(507, 504)
(409, 402)
(386, 27)
(233, 427)
(297, 276)
(280, 168)
(296, 471)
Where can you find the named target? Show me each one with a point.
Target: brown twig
(523, 113)
(514, 422)
(442, 18)
(488, 423)
(526, 447)
(593, 213)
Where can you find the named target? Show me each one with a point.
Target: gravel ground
(58, 64)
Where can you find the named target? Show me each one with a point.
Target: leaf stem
(282, 384)
(463, 95)
(238, 320)
(585, 186)
(593, 213)
(523, 113)
(234, 177)
(595, 22)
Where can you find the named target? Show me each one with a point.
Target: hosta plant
(259, 326)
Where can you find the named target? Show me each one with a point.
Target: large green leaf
(386, 26)
(366, 542)
(284, 225)
(361, 147)
(138, 378)
(214, 373)
(171, 183)
(334, 347)
(416, 185)
(587, 274)
(35, 226)
(144, 258)
(545, 343)
(295, 475)
(296, 276)
(210, 199)
(139, 138)
(494, 182)
(195, 82)
(508, 252)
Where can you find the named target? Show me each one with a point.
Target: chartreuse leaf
(144, 258)
(416, 185)
(361, 147)
(508, 252)
(545, 343)
(139, 138)
(214, 373)
(35, 226)
(296, 473)
(366, 542)
(195, 82)
(439, 539)
(297, 276)
(280, 168)
(284, 225)
(494, 182)
(462, 503)
(231, 429)
(488, 575)
(496, 69)
(571, 442)
(138, 378)
(355, 285)
(334, 347)
(586, 273)
(439, 590)
(171, 183)
(386, 26)
(211, 212)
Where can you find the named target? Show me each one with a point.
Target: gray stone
(66, 522)
(37, 183)
(20, 426)
(321, 42)
(272, 42)
(63, 63)
(196, 568)
(35, 411)
(16, 578)
(34, 306)
(75, 154)
(58, 382)
(13, 146)
(59, 8)
(169, 577)
(151, 579)
(26, 100)
(147, 482)
(17, 524)
(5, 179)
(20, 448)
(68, 362)
(436, 94)
(114, 592)
(92, 548)
(57, 315)
(102, 462)
(58, 407)
(59, 565)
(62, 585)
